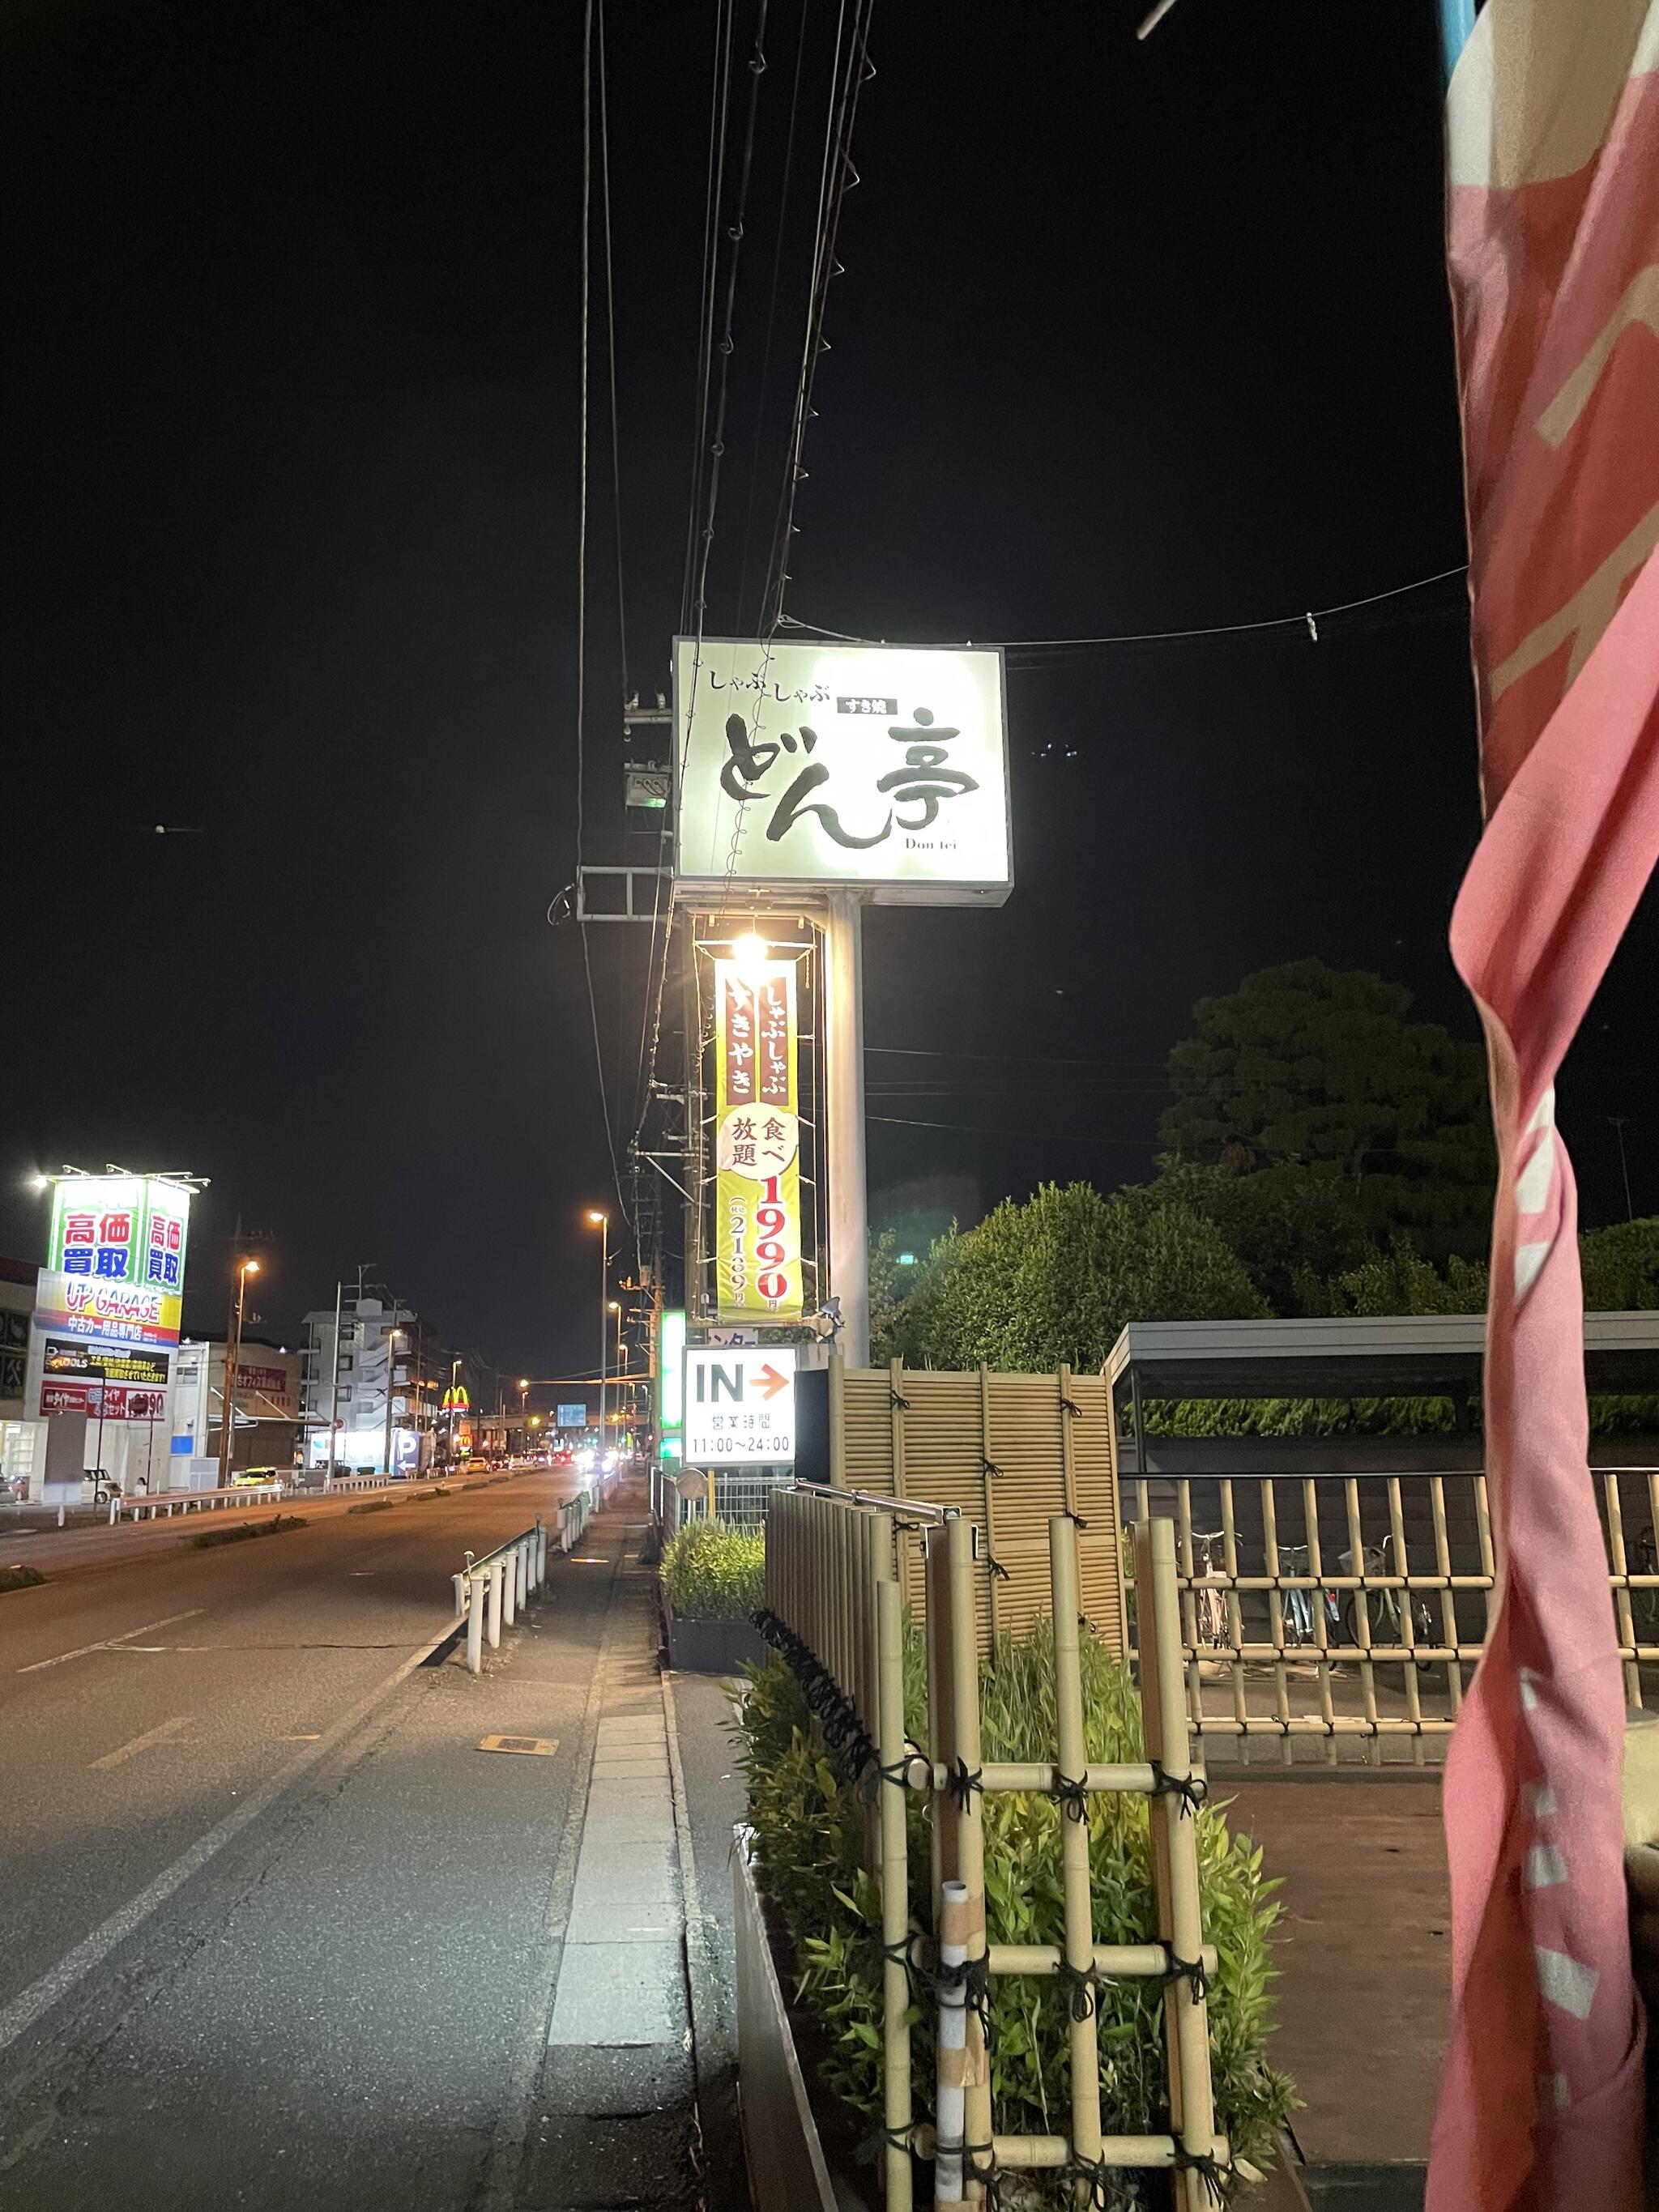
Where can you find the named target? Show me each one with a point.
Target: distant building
(371, 1367)
(17, 1435)
(266, 1400)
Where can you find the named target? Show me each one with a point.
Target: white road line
(112, 1643)
(158, 1735)
(74, 1965)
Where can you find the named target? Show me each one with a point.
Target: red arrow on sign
(769, 1381)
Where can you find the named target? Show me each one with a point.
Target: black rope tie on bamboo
(1207, 2166)
(1071, 1792)
(1082, 1982)
(835, 1712)
(883, 2138)
(998, 1569)
(1191, 1789)
(979, 2163)
(973, 1979)
(1185, 1970)
(961, 1784)
(1076, 1519)
(1097, 2176)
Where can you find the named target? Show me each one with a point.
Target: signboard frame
(750, 1444)
(713, 884)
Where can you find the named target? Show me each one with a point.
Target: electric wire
(1016, 1136)
(698, 597)
(815, 346)
(772, 311)
(582, 573)
(1307, 620)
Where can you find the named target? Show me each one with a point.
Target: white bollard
(113, 1508)
(510, 1589)
(459, 1582)
(496, 1580)
(475, 1585)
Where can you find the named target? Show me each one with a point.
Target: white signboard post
(739, 1405)
(806, 765)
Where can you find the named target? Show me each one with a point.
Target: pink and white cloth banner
(1553, 156)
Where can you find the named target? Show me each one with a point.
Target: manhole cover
(532, 1746)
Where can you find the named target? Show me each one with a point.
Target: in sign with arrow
(739, 1405)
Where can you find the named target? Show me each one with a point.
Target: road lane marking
(126, 1751)
(113, 1643)
(41, 1995)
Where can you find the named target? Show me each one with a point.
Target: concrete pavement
(274, 1930)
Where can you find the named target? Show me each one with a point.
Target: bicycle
(1385, 1609)
(1297, 1606)
(1643, 1559)
(1209, 1607)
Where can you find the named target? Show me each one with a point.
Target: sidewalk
(430, 1978)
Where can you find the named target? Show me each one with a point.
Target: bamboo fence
(835, 1600)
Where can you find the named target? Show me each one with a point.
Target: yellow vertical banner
(758, 1271)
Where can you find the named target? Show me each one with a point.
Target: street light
(602, 1223)
(233, 1353)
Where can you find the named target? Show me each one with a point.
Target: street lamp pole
(233, 1353)
(602, 1223)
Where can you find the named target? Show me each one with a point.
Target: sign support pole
(843, 1054)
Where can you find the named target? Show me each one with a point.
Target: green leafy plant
(811, 1828)
(13, 1578)
(714, 1572)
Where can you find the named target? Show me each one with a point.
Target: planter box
(710, 1647)
(787, 2169)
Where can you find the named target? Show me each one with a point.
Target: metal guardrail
(495, 1588)
(145, 1505)
(1334, 1606)
(574, 1513)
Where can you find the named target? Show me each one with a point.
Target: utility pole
(843, 1038)
(1619, 1121)
(232, 1355)
(334, 1391)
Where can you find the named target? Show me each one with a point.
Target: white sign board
(738, 1404)
(802, 765)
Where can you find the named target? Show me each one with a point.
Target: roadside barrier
(574, 1513)
(835, 1610)
(145, 1505)
(496, 1589)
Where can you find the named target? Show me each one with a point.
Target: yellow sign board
(758, 1270)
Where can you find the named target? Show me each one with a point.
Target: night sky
(1130, 338)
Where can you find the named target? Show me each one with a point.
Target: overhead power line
(1308, 620)
(1016, 1136)
(581, 573)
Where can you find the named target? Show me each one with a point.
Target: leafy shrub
(714, 1572)
(13, 1578)
(244, 1531)
(810, 1826)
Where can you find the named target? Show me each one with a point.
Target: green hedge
(714, 1572)
(810, 1826)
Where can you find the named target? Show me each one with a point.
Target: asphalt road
(172, 1724)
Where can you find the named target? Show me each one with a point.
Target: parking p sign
(739, 1405)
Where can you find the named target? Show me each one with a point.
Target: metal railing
(574, 1513)
(1332, 1606)
(834, 1605)
(492, 1591)
(145, 1505)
